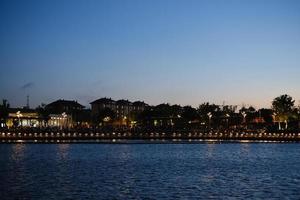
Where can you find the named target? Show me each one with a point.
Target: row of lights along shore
(147, 135)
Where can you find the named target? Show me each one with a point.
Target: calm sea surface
(150, 171)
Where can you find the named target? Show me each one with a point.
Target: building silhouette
(122, 108)
(64, 113)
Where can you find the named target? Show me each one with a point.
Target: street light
(64, 116)
(274, 115)
(227, 119)
(19, 115)
(209, 118)
(244, 118)
(125, 120)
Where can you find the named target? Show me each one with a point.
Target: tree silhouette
(43, 113)
(189, 113)
(283, 106)
(249, 114)
(209, 112)
(4, 111)
(105, 116)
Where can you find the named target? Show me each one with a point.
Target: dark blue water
(150, 171)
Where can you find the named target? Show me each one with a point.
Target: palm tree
(283, 107)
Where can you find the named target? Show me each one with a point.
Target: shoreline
(153, 137)
(129, 142)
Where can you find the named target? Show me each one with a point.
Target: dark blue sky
(185, 52)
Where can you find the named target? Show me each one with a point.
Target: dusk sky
(185, 52)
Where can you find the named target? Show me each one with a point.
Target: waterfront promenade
(232, 135)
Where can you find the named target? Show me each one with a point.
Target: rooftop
(65, 103)
(103, 101)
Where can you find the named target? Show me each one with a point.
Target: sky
(241, 52)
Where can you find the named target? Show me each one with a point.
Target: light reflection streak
(18, 151)
(63, 150)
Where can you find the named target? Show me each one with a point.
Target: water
(150, 171)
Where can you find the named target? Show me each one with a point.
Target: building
(139, 106)
(64, 113)
(67, 106)
(101, 104)
(122, 108)
(60, 121)
(23, 117)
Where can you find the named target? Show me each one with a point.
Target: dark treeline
(282, 116)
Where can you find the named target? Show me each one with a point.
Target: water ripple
(149, 171)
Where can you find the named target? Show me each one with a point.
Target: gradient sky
(185, 52)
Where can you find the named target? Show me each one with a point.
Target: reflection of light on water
(210, 149)
(63, 150)
(208, 178)
(245, 147)
(245, 141)
(18, 151)
(211, 140)
(125, 153)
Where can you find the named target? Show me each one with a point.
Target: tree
(248, 114)
(283, 106)
(145, 117)
(4, 111)
(266, 114)
(298, 116)
(43, 113)
(176, 110)
(164, 110)
(105, 115)
(211, 113)
(189, 113)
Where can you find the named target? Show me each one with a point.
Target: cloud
(27, 86)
